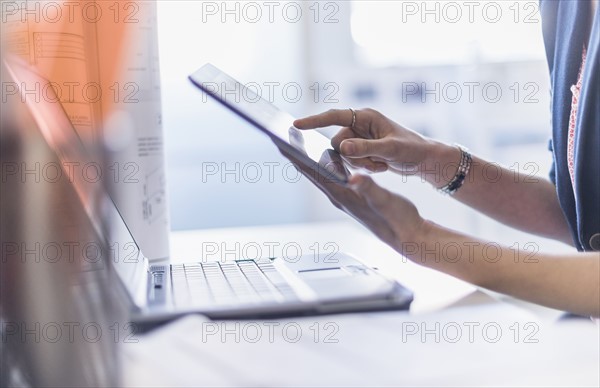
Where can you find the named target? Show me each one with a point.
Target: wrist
(411, 244)
(441, 164)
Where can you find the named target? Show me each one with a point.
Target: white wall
(201, 136)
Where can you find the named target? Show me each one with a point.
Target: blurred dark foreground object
(60, 323)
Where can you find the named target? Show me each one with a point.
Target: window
(445, 32)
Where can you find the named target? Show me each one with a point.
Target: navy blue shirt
(566, 28)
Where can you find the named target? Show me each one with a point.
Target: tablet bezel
(330, 168)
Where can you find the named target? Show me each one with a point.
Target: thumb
(359, 148)
(376, 196)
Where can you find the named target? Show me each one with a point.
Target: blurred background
(467, 72)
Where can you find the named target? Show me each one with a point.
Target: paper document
(101, 58)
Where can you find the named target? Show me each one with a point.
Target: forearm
(567, 282)
(525, 202)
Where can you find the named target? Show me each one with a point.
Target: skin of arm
(569, 282)
(377, 144)
(528, 203)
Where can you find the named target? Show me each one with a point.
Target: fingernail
(355, 182)
(355, 186)
(348, 148)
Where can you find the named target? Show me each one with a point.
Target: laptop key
(243, 281)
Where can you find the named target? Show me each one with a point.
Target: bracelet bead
(458, 180)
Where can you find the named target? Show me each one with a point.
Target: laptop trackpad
(323, 273)
(342, 283)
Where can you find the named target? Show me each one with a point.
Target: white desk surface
(454, 334)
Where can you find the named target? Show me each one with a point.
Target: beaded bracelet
(463, 170)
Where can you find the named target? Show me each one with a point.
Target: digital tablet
(310, 150)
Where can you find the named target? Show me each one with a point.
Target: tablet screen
(309, 148)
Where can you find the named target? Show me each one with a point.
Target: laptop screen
(59, 133)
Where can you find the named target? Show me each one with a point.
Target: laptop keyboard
(244, 281)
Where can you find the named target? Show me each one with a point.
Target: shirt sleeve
(552, 174)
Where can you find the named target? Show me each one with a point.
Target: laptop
(242, 288)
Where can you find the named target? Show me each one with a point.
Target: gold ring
(353, 118)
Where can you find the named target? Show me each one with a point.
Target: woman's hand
(568, 281)
(391, 217)
(377, 143)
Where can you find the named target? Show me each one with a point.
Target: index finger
(341, 117)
